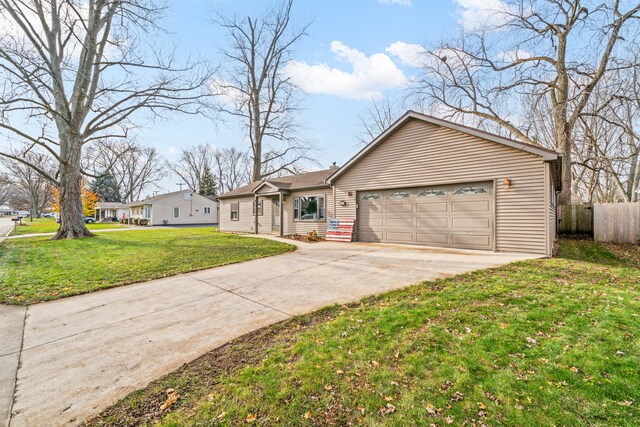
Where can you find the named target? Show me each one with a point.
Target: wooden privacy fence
(616, 222)
(575, 219)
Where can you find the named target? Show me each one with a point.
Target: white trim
(173, 212)
(204, 208)
(545, 154)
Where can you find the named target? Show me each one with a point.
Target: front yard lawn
(37, 269)
(49, 225)
(535, 343)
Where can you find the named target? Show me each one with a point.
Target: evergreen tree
(106, 188)
(207, 183)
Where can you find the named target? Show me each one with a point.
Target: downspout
(281, 214)
(255, 213)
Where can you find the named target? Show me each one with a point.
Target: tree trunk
(71, 216)
(565, 148)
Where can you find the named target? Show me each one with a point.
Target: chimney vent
(334, 166)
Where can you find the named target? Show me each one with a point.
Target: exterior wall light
(342, 203)
(507, 182)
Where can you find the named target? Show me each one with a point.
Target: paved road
(81, 354)
(6, 225)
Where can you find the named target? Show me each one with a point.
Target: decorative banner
(340, 229)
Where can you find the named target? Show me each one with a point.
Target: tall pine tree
(207, 183)
(106, 188)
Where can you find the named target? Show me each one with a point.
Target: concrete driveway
(79, 355)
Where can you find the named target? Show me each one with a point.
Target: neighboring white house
(179, 207)
(109, 211)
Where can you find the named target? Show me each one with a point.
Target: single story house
(179, 207)
(423, 181)
(111, 211)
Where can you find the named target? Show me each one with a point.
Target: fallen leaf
(339, 372)
(626, 403)
(573, 369)
(389, 409)
(307, 415)
(388, 398)
(502, 325)
(462, 369)
(221, 415)
(251, 418)
(482, 405)
(449, 420)
(172, 397)
(328, 387)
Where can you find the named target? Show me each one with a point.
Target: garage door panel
(431, 223)
(432, 238)
(468, 240)
(395, 222)
(403, 237)
(432, 207)
(370, 236)
(399, 208)
(471, 206)
(372, 207)
(479, 223)
(434, 216)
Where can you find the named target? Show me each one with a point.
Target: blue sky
(344, 34)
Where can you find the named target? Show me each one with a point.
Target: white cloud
(369, 75)
(400, 2)
(410, 54)
(477, 14)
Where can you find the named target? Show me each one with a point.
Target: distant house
(6, 210)
(179, 207)
(111, 211)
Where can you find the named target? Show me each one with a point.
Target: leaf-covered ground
(38, 269)
(536, 343)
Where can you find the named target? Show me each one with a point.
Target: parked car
(23, 214)
(49, 215)
(89, 220)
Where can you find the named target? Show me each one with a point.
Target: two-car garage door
(459, 216)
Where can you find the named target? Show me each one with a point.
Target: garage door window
(371, 196)
(471, 190)
(399, 195)
(433, 192)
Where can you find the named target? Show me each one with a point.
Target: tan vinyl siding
(424, 154)
(304, 227)
(191, 211)
(551, 219)
(246, 220)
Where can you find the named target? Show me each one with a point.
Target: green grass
(48, 225)
(535, 343)
(37, 269)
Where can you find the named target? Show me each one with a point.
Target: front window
(259, 208)
(207, 210)
(308, 208)
(176, 213)
(147, 212)
(235, 211)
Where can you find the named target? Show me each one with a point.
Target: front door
(275, 216)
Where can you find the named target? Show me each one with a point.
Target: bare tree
(232, 168)
(76, 71)
(6, 188)
(192, 164)
(258, 92)
(377, 118)
(134, 168)
(31, 186)
(558, 49)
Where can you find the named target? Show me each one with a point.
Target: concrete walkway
(79, 355)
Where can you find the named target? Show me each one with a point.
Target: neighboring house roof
(546, 154)
(286, 183)
(150, 200)
(110, 205)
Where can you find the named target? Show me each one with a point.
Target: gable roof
(546, 154)
(285, 183)
(111, 205)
